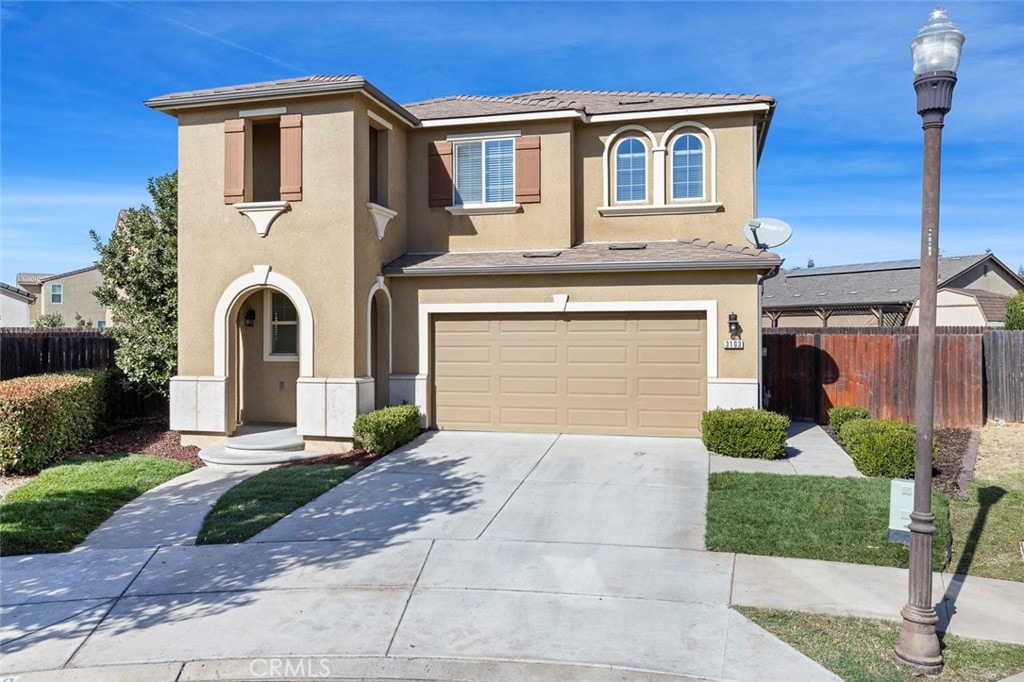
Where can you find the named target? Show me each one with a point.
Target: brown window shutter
(439, 167)
(234, 161)
(291, 157)
(528, 169)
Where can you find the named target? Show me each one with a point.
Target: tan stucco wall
(987, 277)
(311, 244)
(544, 225)
(736, 166)
(735, 292)
(78, 298)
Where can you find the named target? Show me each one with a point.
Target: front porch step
(229, 457)
(259, 445)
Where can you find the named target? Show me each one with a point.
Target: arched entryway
(263, 343)
(267, 357)
(378, 343)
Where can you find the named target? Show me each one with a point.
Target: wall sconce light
(250, 318)
(734, 325)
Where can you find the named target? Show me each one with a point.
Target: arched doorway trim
(379, 285)
(261, 276)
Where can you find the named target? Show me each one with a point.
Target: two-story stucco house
(550, 261)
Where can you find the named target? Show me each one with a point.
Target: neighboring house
(551, 261)
(972, 291)
(14, 306)
(69, 293)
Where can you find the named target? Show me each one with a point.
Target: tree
(81, 322)
(54, 319)
(1015, 312)
(140, 286)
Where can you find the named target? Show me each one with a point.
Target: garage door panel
(529, 354)
(628, 373)
(598, 386)
(529, 385)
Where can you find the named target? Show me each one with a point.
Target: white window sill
(382, 215)
(665, 209)
(484, 209)
(279, 357)
(262, 213)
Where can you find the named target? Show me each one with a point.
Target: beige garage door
(619, 373)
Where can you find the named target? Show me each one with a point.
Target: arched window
(631, 170)
(687, 167)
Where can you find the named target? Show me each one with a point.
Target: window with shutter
(263, 159)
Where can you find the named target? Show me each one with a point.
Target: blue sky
(842, 164)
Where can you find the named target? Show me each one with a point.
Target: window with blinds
(631, 170)
(688, 168)
(484, 172)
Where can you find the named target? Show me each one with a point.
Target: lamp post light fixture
(936, 52)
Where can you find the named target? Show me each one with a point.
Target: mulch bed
(949, 459)
(142, 437)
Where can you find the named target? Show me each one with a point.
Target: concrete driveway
(463, 555)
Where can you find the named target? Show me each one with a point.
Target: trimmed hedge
(745, 432)
(42, 416)
(838, 416)
(381, 431)
(879, 447)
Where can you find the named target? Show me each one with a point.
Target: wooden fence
(28, 350)
(1004, 375)
(25, 351)
(808, 371)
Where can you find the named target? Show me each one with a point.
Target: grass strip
(860, 649)
(811, 517)
(988, 527)
(261, 501)
(65, 503)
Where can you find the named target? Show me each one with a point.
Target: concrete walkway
(461, 556)
(809, 451)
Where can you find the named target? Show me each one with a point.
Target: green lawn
(860, 649)
(58, 509)
(810, 517)
(987, 528)
(259, 502)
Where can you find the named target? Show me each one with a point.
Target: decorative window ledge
(484, 209)
(381, 215)
(665, 209)
(262, 213)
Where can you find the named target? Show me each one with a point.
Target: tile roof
(681, 254)
(858, 284)
(992, 305)
(17, 291)
(586, 101)
(79, 271)
(32, 277)
(285, 87)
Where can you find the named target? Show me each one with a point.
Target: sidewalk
(461, 556)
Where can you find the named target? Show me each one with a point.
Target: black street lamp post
(936, 52)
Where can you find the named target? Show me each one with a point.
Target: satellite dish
(767, 233)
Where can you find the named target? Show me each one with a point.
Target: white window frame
(615, 171)
(57, 291)
(660, 168)
(483, 206)
(268, 329)
(670, 171)
(101, 324)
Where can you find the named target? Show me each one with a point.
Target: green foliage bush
(838, 416)
(1015, 312)
(745, 432)
(383, 430)
(42, 416)
(880, 447)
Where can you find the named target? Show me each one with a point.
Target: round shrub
(381, 431)
(838, 416)
(881, 447)
(745, 432)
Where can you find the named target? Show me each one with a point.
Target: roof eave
(764, 265)
(171, 106)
